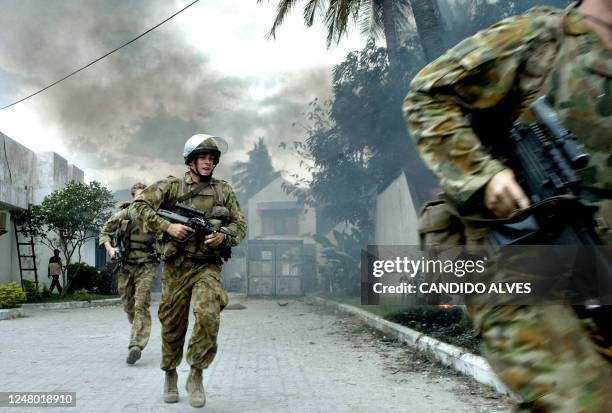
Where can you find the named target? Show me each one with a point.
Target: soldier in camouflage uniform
(192, 270)
(137, 272)
(543, 353)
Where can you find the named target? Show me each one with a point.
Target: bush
(31, 290)
(107, 283)
(11, 296)
(81, 276)
(45, 293)
(81, 295)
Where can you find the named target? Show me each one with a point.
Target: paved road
(293, 358)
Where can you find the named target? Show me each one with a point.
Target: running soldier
(192, 267)
(138, 268)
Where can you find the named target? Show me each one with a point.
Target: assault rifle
(562, 212)
(119, 259)
(195, 219)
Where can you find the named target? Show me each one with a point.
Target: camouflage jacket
(139, 245)
(493, 76)
(164, 194)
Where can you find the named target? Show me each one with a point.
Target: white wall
(396, 217)
(307, 221)
(17, 173)
(26, 177)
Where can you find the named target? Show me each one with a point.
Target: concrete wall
(307, 221)
(396, 216)
(17, 173)
(8, 256)
(26, 177)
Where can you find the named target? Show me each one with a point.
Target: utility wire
(101, 57)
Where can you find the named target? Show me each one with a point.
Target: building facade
(281, 254)
(26, 177)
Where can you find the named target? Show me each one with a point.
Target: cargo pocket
(438, 226)
(475, 235)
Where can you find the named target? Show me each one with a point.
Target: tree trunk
(429, 27)
(391, 37)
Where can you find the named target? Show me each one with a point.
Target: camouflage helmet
(202, 143)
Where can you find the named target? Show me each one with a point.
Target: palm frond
(371, 18)
(282, 10)
(338, 16)
(310, 11)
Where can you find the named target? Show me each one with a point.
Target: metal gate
(275, 268)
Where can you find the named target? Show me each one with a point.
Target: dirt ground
(400, 358)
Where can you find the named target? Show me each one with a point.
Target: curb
(71, 304)
(11, 313)
(457, 358)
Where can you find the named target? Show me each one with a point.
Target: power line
(101, 57)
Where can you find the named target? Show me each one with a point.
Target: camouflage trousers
(200, 284)
(545, 355)
(134, 284)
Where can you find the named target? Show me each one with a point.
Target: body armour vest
(195, 248)
(140, 246)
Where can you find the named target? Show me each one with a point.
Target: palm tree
(429, 28)
(375, 17)
(253, 175)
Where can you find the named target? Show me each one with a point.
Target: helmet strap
(203, 178)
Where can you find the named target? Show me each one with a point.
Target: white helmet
(202, 143)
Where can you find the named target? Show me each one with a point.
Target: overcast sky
(210, 70)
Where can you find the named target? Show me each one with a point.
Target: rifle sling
(516, 217)
(191, 193)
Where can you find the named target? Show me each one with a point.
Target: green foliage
(31, 290)
(82, 276)
(106, 283)
(358, 141)
(340, 267)
(67, 218)
(45, 293)
(73, 212)
(11, 295)
(81, 295)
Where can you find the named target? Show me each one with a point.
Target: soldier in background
(135, 278)
(542, 353)
(192, 268)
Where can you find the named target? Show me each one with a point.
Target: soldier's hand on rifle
(110, 250)
(503, 195)
(215, 239)
(179, 231)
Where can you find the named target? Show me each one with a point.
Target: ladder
(25, 249)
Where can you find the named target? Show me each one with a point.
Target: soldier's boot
(195, 388)
(134, 354)
(171, 387)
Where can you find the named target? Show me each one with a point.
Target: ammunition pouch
(167, 247)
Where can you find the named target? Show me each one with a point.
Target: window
(279, 222)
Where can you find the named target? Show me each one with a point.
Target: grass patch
(450, 325)
(56, 298)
